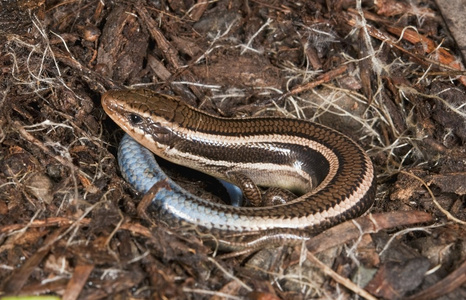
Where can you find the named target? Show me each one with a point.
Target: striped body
(333, 174)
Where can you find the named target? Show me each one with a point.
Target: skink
(334, 174)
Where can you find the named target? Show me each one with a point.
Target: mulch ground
(387, 73)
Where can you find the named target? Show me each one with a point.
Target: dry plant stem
(445, 60)
(116, 229)
(75, 285)
(444, 57)
(338, 278)
(27, 136)
(216, 295)
(326, 77)
(18, 279)
(198, 9)
(60, 222)
(169, 52)
(447, 213)
(45, 288)
(230, 275)
(375, 33)
(370, 223)
(457, 110)
(135, 228)
(97, 81)
(453, 281)
(405, 231)
(248, 45)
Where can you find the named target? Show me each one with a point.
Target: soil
(386, 73)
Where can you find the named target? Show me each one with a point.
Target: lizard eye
(135, 119)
